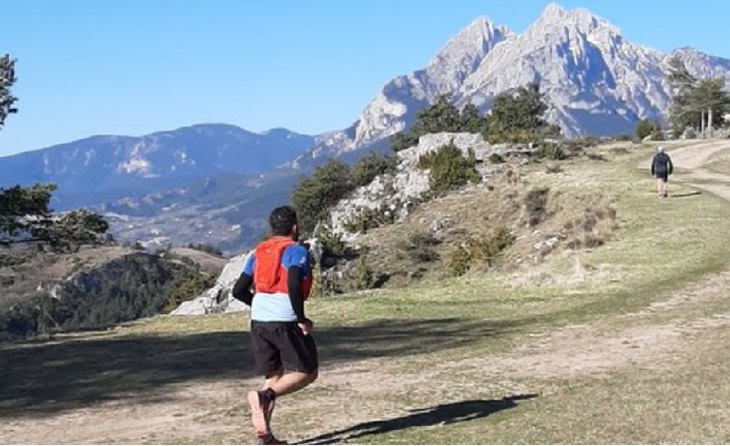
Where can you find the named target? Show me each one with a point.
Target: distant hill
(45, 291)
(104, 168)
(187, 185)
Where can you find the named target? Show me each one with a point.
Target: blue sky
(136, 66)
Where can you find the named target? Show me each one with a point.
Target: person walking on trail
(283, 348)
(661, 168)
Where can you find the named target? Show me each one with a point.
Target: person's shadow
(686, 194)
(439, 415)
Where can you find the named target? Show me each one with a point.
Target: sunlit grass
(657, 247)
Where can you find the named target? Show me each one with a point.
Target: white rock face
(432, 142)
(703, 65)
(397, 193)
(399, 101)
(218, 299)
(597, 82)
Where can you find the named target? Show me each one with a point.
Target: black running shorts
(662, 176)
(278, 345)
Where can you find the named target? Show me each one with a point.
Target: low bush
(488, 249)
(553, 151)
(496, 158)
(535, 203)
(449, 168)
(419, 248)
(460, 261)
(485, 251)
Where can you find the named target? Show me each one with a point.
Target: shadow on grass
(38, 379)
(686, 194)
(439, 415)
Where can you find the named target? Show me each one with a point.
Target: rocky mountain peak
(464, 52)
(580, 18)
(596, 81)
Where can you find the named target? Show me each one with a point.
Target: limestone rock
(218, 299)
(398, 193)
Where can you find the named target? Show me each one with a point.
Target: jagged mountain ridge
(598, 82)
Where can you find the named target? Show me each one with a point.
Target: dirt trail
(694, 156)
(691, 157)
(584, 350)
(213, 412)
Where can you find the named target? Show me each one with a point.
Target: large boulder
(434, 141)
(218, 299)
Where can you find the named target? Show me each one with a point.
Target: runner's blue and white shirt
(276, 307)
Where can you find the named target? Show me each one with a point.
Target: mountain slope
(597, 82)
(704, 65)
(101, 168)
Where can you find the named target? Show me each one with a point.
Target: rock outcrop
(394, 195)
(218, 299)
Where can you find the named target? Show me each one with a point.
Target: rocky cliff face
(218, 299)
(399, 101)
(394, 195)
(598, 82)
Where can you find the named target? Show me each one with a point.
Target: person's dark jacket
(661, 164)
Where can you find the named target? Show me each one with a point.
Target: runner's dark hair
(282, 220)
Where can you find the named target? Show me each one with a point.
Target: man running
(661, 168)
(283, 348)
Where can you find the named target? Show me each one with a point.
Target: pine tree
(443, 116)
(314, 197)
(518, 115)
(695, 103)
(472, 120)
(25, 215)
(7, 79)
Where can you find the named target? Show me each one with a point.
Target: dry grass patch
(524, 216)
(209, 263)
(719, 163)
(592, 227)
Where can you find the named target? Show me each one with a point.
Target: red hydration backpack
(269, 275)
